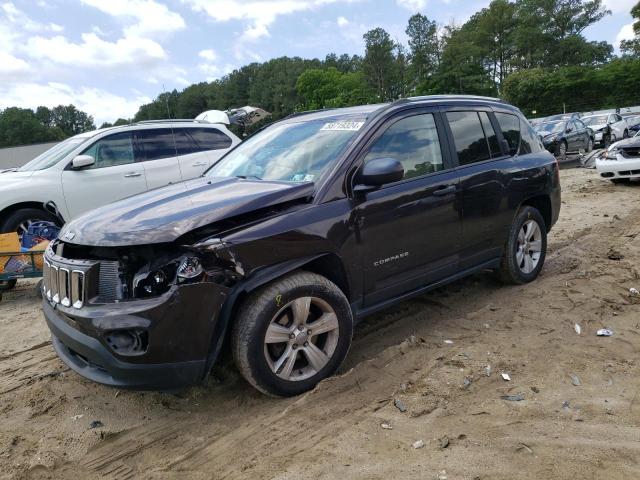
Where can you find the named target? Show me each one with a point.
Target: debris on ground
(565, 404)
(386, 426)
(442, 475)
(77, 417)
(443, 442)
(418, 444)
(605, 332)
(614, 254)
(524, 446)
(634, 292)
(96, 424)
(535, 389)
(448, 342)
(506, 377)
(518, 397)
(466, 383)
(487, 370)
(575, 380)
(577, 328)
(399, 405)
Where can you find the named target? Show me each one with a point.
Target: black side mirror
(569, 130)
(378, 172)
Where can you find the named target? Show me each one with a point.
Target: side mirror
(82, 161)
(378, 172)
(569, 130)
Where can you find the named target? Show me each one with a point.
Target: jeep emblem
(69, 235)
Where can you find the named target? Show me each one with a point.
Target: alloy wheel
(301, 338)
(529, 247)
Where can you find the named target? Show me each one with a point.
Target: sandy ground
(451, 391)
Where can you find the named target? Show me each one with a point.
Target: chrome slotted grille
(63, 285)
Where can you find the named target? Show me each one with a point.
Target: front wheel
(20, 220)
(562, 151)
(526, 247)
(621, 181)
(292, 334)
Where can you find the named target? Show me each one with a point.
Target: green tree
(379, 62)
(71, 120)
(20, 126)
(424, 48)
(631, 48)
(322, 88)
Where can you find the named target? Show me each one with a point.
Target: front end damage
(142, 317)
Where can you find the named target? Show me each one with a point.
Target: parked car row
(572, 133)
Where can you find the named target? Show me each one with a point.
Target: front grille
(64, 286)
(74, 283)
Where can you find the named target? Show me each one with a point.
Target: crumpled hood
(164, 214)
(633, 142)
(595, 128)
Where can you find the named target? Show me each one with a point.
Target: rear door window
(185, 144)
(510, 126)
(209, 139)
(156, 144)
(468, 135)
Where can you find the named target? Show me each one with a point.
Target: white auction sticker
(343, 126)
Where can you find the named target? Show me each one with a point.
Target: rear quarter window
(519, 134)
(209, 139)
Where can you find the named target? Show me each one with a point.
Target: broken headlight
(154, 283)
(190, 269)
(612, 154)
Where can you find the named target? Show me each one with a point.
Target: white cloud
(412, 5)
(619, 6)
(208, 54)
(102, 105)
(16, 17)
(259, 14)
(342, 22)
(12, 67)
(94, 52)
(625, 33)
(149, 17)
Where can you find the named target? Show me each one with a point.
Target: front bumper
(179, 327)
(620, 168)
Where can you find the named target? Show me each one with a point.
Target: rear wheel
(7, 285)
(292, 334)
(526, 247)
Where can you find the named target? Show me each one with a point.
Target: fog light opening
(128, 342)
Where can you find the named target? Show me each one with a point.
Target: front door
(409, 231)
(115, 175)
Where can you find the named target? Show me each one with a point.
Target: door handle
(132, 174)
(442, 191)
(199, 164)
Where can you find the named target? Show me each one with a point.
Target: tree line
(23, 126)
(532, 53)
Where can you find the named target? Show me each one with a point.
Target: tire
(271, 308)
(621, 181)
(6, 285)
(513, 270)
(561, 152)
(17, 220)
(606, 140)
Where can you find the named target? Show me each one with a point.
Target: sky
(108, 57)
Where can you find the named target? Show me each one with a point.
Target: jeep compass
(295, 235)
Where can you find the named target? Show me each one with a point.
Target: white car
(607, 128)
(102, 166)
(621, 162)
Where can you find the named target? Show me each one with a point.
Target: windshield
(290, 152)
(597, 120)
(553, 127)
(53, 155)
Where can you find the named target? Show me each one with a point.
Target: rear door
(619, 126)
(199, 148)
(158, 155)
(409, 231)
(116, 174)
(484, 171)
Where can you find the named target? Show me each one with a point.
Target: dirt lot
(453, 403)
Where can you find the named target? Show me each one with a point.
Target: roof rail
(454, 97)
(169, 120)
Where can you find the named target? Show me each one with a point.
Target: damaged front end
(137, 316)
